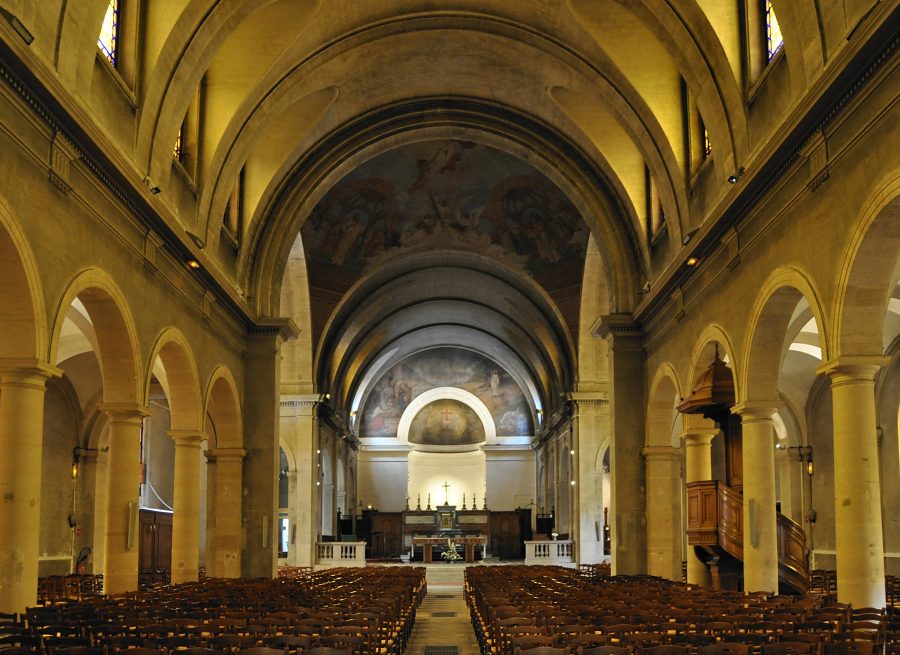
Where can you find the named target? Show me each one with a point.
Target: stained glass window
(109, 33)
(178, 150)
(774, 40)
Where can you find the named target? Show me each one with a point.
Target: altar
(428, 543)
(444, 526)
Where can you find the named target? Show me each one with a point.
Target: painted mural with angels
(446, 367)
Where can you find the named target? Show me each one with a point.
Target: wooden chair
(605, 650)
(665, 649)
(326, 650)
(788, 648)
(725, 648)
(543, 650)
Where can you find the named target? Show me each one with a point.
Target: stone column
(697, 467)
(628, 526)
(224, 560)
(859, 542)
(94, 483)
(262, 361)
(293, 515)
(760, 519)
(124, 424)
(590, 427)
(186, 517)
(22, 386)
(300, 426)
(664, 511)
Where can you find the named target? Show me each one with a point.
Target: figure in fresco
(441, 367)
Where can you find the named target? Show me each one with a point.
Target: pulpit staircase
(716, 531)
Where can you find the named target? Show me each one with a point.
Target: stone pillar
(760, 517)
(790, 467)
(262, 361)
(293, 514)
(124, 424)
(300, 427)
(186, 517)
(590, 428)
(664, 511)
(859, 542)
(697, 467)
(94, 483)
(22, 386)
(224, 559)
(627, 410)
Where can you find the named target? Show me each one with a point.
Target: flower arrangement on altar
(450, 554)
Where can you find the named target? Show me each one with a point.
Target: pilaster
(627, 411)
(299, 421)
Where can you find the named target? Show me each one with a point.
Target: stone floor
(443, 618)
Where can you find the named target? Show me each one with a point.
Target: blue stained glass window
(774, 39)
(108, 40)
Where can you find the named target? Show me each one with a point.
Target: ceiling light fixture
(192, 264)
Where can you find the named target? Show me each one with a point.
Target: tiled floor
(443, 618)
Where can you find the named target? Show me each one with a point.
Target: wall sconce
(23, 32)
(734, 177)
(809, 467)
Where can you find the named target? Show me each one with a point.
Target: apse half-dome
(446, 422)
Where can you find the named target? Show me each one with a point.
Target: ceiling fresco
(446, 422)
(446, 367)
(439, 195)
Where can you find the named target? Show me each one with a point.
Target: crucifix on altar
(446, 487)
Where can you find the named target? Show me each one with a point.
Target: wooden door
(506, 537)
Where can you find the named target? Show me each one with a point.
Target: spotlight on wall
(692, 261)
(17, 25)
(734, 177)
(151, 185)
(687, 236)
(192, 264)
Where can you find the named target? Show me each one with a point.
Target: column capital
(757, 410)
(661, 453)
(698, 437)
(590, 397)
(850, 368)
(187, 438)
(226, 454)
(19, 371)
(124, 411)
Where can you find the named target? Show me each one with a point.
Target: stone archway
(663, 461)
(223, 428)
(173, 366)
(111, 333)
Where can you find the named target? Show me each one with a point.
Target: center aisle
(442, 621)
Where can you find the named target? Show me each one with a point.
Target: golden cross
(446, 486)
